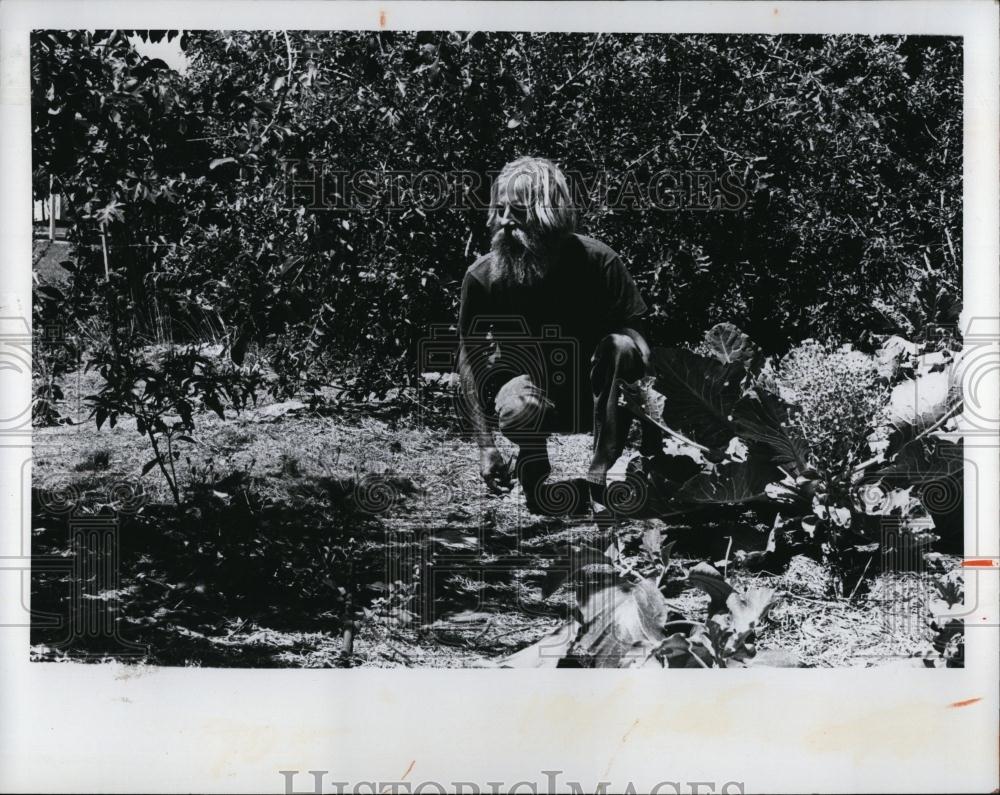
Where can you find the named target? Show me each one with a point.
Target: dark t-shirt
(586, 293)
(549, 330)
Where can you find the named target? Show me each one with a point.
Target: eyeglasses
(515, 212)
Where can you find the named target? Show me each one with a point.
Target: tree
(828, 156)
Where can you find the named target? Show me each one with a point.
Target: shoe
(531, 468)
(570, 498)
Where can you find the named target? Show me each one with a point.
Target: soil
(291, 545)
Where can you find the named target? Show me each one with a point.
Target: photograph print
(479, 349)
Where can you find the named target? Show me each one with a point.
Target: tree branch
(285, 88)
(644, 155)
(581, 70)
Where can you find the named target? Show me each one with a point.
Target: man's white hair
(538, 184)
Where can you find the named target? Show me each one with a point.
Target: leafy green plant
(395, 607)
(625, 622)
(162, 391)
(55, 353)
(926, 306)
(788, 438)
(946, 623)
(839, 398)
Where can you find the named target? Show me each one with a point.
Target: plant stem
(671, 432)
(285, 88)
(943, 419)
(863, 573)
(698, 660)
(170, 460)
(163, 468)
(104, 251)
(349, 627)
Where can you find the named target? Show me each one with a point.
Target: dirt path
(201, 591)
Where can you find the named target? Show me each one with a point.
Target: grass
(95, 460)
(248, 573)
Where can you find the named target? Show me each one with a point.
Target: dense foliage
(852, 454)
(831, 166)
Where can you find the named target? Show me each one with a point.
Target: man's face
(514, 234)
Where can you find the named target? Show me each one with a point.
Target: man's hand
(495, 472)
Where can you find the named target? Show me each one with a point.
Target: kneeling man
(549, 322)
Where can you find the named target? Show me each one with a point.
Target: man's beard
(519, 256)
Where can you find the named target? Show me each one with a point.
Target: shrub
(785, 439)
(182, 183)
(840, 401)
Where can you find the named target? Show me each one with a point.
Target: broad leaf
(924, 460)
(665, 552)
(905, 507)
(652, 539)
(730, 345)
(921, 401)
(547, 652)
(711, 581)
(679, 651)
(700, 394)
(571, 560)
(734, 482)
(762, 418)
(643, 401)
(726, 644)
(220, 161)
(749, 608)
(622, 625)
(658, 478)
(893, 351)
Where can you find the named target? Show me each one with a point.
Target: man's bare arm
(467, 379)
(492, 467)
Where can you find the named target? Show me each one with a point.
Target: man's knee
(618, 345)
(618, 353)
(521, 407)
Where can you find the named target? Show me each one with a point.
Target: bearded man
(554, 290)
